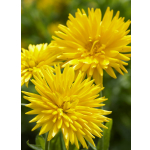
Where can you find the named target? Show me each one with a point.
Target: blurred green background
(39, 20)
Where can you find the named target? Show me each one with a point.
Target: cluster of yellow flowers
(66, 100)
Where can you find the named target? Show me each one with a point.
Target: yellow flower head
(92, 44)
(68, 104)
(34, 58)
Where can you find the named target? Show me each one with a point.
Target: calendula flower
(68, 104)
(34, 58)
(92, 44)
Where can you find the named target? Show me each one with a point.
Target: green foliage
(35, 147)
(47, 144)
(40, 143)
(39, 140)
(56, 142)
(106, 135)
(104, 144)
(62, 142)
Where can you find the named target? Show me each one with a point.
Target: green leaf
(39, 140)
(107, 133)
(35, 147)
(54, 143)
(99, 143)
(92, 146)
(104, 144)
(47, 143)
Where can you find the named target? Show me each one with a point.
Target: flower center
(95, 48)
(31, 62)
(66, 104)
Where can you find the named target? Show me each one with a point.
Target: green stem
(62, 142)
(47, 143)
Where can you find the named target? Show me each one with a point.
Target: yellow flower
(34, 58)
(62, 103)
(52, 27)
(44, 4)
(92, 44)
(48, 5)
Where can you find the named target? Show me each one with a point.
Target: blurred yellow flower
(58, 5)
(34, 58)
(62, 103)
(92, 44)
(28, 3)
(52, 27)
(43, 4)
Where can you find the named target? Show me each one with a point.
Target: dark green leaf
(55, 143)
(107, 133)
(99, 144)
(35, 147)
(40, 141)
(47, 143)
(103, 144)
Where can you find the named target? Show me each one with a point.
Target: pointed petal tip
(32, 129)
(27, 114)
(115, 77)
(23, 92)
